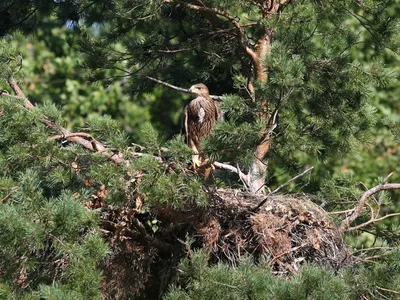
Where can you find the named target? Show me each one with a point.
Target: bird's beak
(190, 89)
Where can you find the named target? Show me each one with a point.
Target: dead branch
(340, 212)
(243, 177)
(281, 187)
(371, 249)
(219, 98)
(91, 144)
(372, 220)
(66, 137)
(17, 90)
(345, 224)
(387, 290)
(166, 51)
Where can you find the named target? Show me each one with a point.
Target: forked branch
(362, 203)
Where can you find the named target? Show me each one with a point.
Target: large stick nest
(288, 230)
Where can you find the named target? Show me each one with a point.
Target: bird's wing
(184, 123)
(218, 111)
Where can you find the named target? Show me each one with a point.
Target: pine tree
(295, 93)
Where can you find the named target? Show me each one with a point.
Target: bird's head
(199, 89)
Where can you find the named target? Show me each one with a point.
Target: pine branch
(88, 141)
(211, 14)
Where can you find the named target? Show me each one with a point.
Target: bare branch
(387, 178)
(345, 225)
(372, 220)
(169, 85)
(243, 177)
(290, 181)
(340, 212)
(281, 187)
(219, 98)
(387, 290)
(372, 249)
(166, 51)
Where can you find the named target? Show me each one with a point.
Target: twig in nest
(280, 187)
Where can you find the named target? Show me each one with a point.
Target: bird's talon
(196, 164)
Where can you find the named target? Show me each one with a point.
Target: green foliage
(198, 280)
(178, 151)
(332, 80)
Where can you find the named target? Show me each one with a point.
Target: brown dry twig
(387, 290)
(345, 224)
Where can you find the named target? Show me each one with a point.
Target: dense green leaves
(250, 281)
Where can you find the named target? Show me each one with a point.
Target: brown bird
(199, 116)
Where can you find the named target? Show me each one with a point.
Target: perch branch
(345, 224)
(91, 144)
(219, 98)
(281, 187)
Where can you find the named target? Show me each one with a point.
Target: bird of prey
(199, 116)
